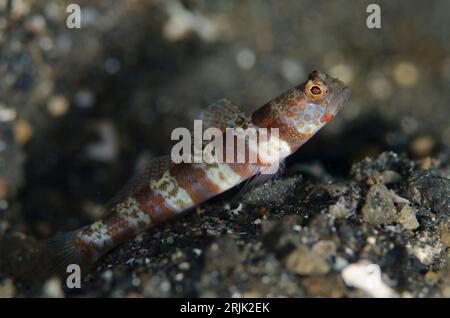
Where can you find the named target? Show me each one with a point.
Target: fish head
(306, 108)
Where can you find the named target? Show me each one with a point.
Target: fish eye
(316, 90)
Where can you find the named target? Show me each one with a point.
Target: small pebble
(424, 254)
(7, 289)
(408, 218)
(342, 208)
(84, 99)
(406, 74)
(184, 266)
(303, 261)
(53, 289)
(246, 58)
(7, 114)
(324, 248)
(197, 251)
(431, 278)
(379, 207)
(107, 276)
(22, 131)
(58, 106)
(422, 146)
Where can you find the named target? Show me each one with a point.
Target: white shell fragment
(367, 277)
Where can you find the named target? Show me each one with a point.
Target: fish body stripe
(176, 197)
(222, 175)
(193, 179)
(152, 204)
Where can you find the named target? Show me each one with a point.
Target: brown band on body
(195, 182)
(117, 227)
(153, 204)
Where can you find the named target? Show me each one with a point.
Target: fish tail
(62, 251)
(56, 254)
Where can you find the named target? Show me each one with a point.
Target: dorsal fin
(223, 114)
(154, 168)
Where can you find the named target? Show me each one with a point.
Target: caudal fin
(55, 255)
(62, 251)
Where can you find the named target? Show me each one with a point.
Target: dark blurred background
(81, 109)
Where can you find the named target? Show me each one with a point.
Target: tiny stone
(390, 176)
(445, 238)
(84, 99)
(340, 263)
(379, 207)
(324, 248)
(179, 277)
(245, 58)
(257, 221)
(22, 131)
(431, 278)
(371, 240)
(444, 232)
(342, 208)
(7, 289)
(424, 254)
(107, 275)
(7, 114)
(426, 163)
(58, 106)
(136, 282)
(184, 266)
(304, 261)
(52, 288)
(197, 251)
(408, 218)
(422, 146)
(406, 74)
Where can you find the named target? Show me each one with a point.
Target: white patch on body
(176, 197)
(222, 176)
(131, 211)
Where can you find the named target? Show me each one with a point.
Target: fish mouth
(339, 99)
(344, 95)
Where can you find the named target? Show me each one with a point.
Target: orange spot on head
(326, 118)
